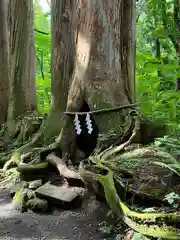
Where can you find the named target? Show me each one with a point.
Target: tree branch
(36, 30)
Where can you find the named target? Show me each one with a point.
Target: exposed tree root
(32, 168)
(134, 138)
(48, 131)
(71, 176)
(151, 224)
(8, 178)
(27, 159)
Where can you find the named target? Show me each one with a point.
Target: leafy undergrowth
(147, 179)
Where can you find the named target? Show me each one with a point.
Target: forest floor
(78, 224)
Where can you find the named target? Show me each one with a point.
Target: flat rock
(37, 205)
(63, 196)
(35, 184)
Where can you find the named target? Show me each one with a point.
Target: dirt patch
(79, 224)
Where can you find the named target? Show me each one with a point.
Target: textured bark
(105, 65)
(30, 70)
(62, 52)
(4, 81)
(22, 90)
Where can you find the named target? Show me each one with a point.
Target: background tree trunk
(21, 90)
(62, 64)
(105, 66)
(31, 70)
(177, 45)
(4, 80)
(62, 52)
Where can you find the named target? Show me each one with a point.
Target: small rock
(18, 186)
(31, 194)
(64, 196)
(35, 184)
(37, 205)
(19, 200)
(21, 197)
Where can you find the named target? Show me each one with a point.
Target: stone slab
(35, 184)
(60, 196)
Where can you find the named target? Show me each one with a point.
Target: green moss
(32, 168)
(136, 220)
(52, 127)
(16, 157)
(40, 165)
(20, 196)
(37, 204)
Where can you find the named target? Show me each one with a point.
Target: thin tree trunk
(4, 80)
(21, 90)
(158, 55)
(62, 52)
(175, 38)
(177, 46)
(31, 70)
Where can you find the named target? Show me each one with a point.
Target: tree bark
(104, 73)
(62, 62)
(22, 77)
(4, 79)
(31, 69)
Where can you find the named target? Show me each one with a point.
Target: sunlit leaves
(43, 45)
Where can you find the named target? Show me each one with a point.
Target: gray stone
(61, 196)
(37, 205)
(35, 184)
(30, 194)
(17, 186)
(21, 197)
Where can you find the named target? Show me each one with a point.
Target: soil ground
(79, 224)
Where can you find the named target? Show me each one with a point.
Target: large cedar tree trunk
(62, 52)
(104, 74)
(4, 82)
(22, 77)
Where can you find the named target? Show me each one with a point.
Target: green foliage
(157, 63)
(139, 236)
(172, 167)
(170, 144)
(172, 197)
(43, 45)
